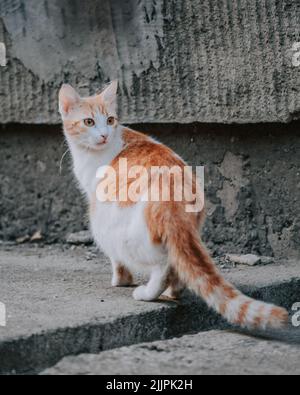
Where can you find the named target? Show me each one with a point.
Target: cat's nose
(102, 140)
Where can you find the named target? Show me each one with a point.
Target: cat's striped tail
(196, 269)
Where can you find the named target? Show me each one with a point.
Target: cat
(157, 237)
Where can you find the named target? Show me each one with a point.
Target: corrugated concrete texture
(177, 61)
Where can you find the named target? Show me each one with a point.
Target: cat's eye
(110, 121)
(89, 122)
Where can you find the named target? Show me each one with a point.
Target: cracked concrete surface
(59, 302)
(207, 353)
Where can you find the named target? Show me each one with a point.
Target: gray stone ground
(207, 353)
(59, 302)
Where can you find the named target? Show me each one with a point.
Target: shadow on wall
(252, 184)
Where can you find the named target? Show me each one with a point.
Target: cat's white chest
(123, 235)
(87, 164)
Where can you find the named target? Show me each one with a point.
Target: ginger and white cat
(159, 238)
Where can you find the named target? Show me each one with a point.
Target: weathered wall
(252, 184)
(178, 61)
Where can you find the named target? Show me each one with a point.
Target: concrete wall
(221, 61)
(252, 184)
(178, 61)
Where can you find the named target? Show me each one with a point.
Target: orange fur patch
(175, 285)
(229, 291)
(243, 312)
(258, 320)
(280, 315)
(131, 136)
(140, 151)
(124, 276)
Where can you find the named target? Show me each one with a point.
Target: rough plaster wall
(34, 195)
(252, 184)
(178, 61)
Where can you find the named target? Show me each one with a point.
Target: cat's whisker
(62, 160)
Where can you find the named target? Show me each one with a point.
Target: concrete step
(209, 353)
(59, 303)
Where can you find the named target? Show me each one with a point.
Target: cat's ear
(68, 97)
(109, 96)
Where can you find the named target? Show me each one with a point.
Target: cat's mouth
(101, 144)
(103, 141)
(97, 145)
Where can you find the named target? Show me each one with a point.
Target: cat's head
(90, 122)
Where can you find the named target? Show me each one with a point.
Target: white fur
(121, 232)
(87, 162)
(123, 235)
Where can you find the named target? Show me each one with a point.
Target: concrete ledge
(207, 353)
(59, 304)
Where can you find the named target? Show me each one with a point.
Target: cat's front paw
(140, 293)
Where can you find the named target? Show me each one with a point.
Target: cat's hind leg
(121, 275)
(155, 287)
(175, 286)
